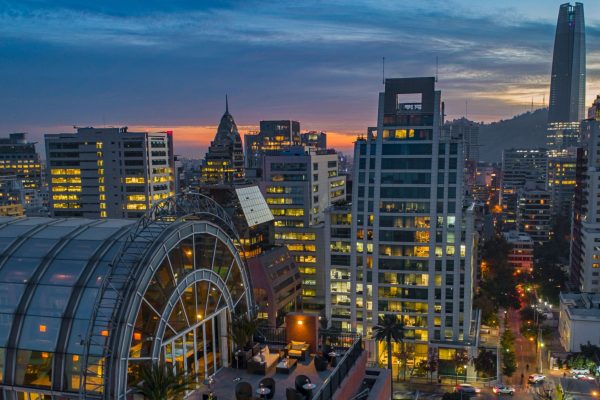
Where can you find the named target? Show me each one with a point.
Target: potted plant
(241, 330)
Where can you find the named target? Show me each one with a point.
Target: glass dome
(84, 303)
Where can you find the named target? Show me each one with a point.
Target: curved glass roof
(50, 270)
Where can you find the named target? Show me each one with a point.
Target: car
(584, 377)
(580, 371)
(501, 389)
(466, 389)
(536, 378)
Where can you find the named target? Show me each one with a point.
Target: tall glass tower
(567, 87)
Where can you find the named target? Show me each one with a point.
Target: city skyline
(157, 67)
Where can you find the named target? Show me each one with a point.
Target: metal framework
(107, 320)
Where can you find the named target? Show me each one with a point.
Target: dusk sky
(159, 65)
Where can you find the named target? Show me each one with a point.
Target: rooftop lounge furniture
(298, 350)
(300, 381)
(292, 394)
(320, 363)
(243, 391)
(268, 383)
(263, 361)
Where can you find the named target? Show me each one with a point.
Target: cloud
(156, 63)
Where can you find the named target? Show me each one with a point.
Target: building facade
(108, 172)
(567, 84)
(579, 320)
(20, 162)
(299, 185)
(520, 256)
(87, 302)
(412, 243)
(560, 180)
(585, 245)
(534, 214)
(519, 166)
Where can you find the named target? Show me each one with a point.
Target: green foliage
(498, 286)
(242, 329)
(388, 330)
(509, 363)
(160, 383)
(581, 361)
(485, 363)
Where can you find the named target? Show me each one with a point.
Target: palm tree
(161, 383)
(389, 330)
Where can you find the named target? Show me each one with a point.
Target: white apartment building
(579, 320)
(108, 172)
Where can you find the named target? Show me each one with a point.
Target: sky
(167, 65)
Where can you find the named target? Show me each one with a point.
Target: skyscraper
(411, 247)
(567, 86)
(224, 160)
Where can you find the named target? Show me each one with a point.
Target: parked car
(584, 377)
(501, 389)
(466, 388)
(580, 371)
(536, 378)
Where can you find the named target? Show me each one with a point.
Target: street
(524, 351)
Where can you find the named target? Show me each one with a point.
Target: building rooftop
(581, 305)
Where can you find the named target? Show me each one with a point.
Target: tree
(452, 396)
(160, 383)
(432, 363)
(242, 330)
(485, 363)
(509, 363)
(461, 358)
(388, 330)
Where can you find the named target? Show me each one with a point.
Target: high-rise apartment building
(567, 85)
(19, 160)
(412, 244)
(560, 180)
(585, 243)
(224, 160)
(314, 139)
(299, 185)
(534, 213)
(108, 172)
(519, 166)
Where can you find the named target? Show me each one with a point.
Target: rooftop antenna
(436, 69)
(531, 103)
(226, 104)
(544, 101)
(467, 109)
(383, 70)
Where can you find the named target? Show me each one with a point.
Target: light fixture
(199, 316)
(300, 322)
(42, 328)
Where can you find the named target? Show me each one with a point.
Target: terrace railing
(339, 373)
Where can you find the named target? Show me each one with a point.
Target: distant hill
(525, 130)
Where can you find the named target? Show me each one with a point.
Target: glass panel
(39, 333)
(200, 351)
(10, 295)
(97, 233)
(205, 245)
(12, 231)
(133, 371)
(189, 352)
(177, 318)
(177, 263)
(208, 339)
(72, 371)
(155, 294)
(86, 304)
(53, 232)
(178, 353)
(63, 272)
(79, 249)
(165, 277)
(2, 355)
(144, 332)
(5, 326)
(33, 368)
(202, 291)
(35, 248)
(5, 242)
(95, 378)
(168, 354)
(99, 273)
(235, 283)
(213, 299)
(79, 329)
(189, 302)
(223, 259)
(19, 269)
(187, 254)
(217, 339)
(49, 301)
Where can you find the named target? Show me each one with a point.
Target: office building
(567, 84)
(585, 249)
(19, 159)
(560, 180)
(534, 213)
(520, 256)
(224, 160)
(108, 172)
(579, 320)
(519, 166)
(299, 185)
(314, 139)
(412, 244)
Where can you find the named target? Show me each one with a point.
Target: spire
(226, 105)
